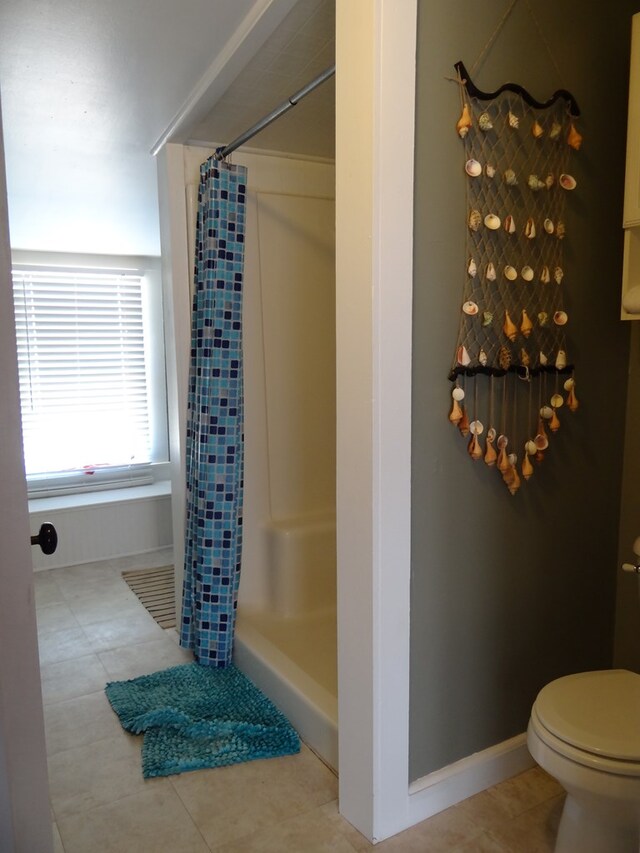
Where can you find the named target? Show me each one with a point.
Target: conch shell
(527, 467)
(513, 120)
(455, 416)
(525, 360)
(490, 454)
(526, 325)
(463, 423)
(554, 423)
(474, 448)
(464, 122)
(572, 400)
(509, 327)
(574, 139)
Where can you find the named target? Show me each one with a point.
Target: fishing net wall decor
(513, 331)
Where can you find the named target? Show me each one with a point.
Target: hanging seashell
(490, 170)
(534, 183)
(530, 447)
(572, 400)
(484, 122)
(503, 441)
(546, 412)
(509, 327)
(560, 318)
(524, 358)
(473, 168)
(556, 130)
(539, 457)
(490, 454)
(509, 225)
(455, 415)
(527, 467)
(492, 221)
(530, 229)
(525, 324)
(549, 181)
(545, 275)
(569, 383)
(557, 401)
(510, 178)
(504, 358)
(472, 269)
(457, 393)
(574, 139)
(513, 120)
(514, 483)
(464, 122)
(475, 220)
(542, 357)
(487, 318)
(510, 273)
(476, 427)
(537, 130)
(502, 462)
(491, 272)
(483, 358)
(474, 448)
(561, 360)
(560, 230)
(548, 226)
(567, 182)
(462, 356)
(554, 423)
(463, 423)
(558, 275)
(470, 308)
(527, 273)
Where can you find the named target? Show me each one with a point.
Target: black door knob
(47, 538)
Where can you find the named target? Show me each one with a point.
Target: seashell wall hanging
(512, 372)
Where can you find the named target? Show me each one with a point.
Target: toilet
(585, 732)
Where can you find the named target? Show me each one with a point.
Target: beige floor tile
(55, 617)
(355, 838)
(95, 774)
(57, 841)
(135, 627)
(533, 831)
(105, 606)
(150, 560)
(485, 843)
(441, 833)
(277, 788)
(143, 659)
(70, 678)
(56, 646)
(524, 791)
(310, 832)
(46, 589)
(153, 821)
(79, 721)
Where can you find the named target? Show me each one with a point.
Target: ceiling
(89, 87)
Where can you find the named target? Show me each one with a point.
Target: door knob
(46, 538)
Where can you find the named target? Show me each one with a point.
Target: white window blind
(83, 376)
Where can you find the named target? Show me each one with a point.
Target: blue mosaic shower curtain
(214, 453)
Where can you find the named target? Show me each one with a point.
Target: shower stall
(286, 625)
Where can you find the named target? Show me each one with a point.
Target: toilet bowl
(585, 732)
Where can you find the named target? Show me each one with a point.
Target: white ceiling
(89, 86)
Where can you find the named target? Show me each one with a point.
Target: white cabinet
(631, 219)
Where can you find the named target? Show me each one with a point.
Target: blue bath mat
(196, 716)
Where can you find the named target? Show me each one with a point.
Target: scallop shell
(525, 324)
(574, 139)
(473, 168)
(560, 318)
(561, 360)
(546, 412)
(476, 427)
(509, 225)
(502, 442)
(490, 170)
(537, 130)
(556, 130)
(558, 275)
(513, 120)
(492, 221)
(484, 122)
(567, 182)
(462, 356)
(491, 435)
(513, 458)
(545, 275)
(483, 358)
(475, 220)
(504, 358)
(458, 393)
(510, 178)
(470, 308)
(549, 226)
(541, 441)
(557, 401)
(491, 272)
(472, 269)
(560, 230)
(530, 447)
(510, 273)
(464, 122)
(530, 229)
(527, 273)
(569, 383)
(509, 327)
(487, 318)
(542, 318)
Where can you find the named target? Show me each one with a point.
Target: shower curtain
(214, 452)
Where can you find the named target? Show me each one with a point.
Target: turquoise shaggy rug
(194, 716)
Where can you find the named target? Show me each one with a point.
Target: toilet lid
(598, 712)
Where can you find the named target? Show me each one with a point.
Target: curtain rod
(280, 110)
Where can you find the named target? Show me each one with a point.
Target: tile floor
(92, 629)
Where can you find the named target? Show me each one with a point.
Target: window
(91, 369)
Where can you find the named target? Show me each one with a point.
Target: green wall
(511, 592)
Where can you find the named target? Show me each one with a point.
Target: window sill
(99, 498)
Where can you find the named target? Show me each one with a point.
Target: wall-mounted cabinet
(630, 309)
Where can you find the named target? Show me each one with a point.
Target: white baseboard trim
(444, 788)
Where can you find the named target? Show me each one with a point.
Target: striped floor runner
(156, 591)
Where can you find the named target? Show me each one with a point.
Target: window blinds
(83, 373)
